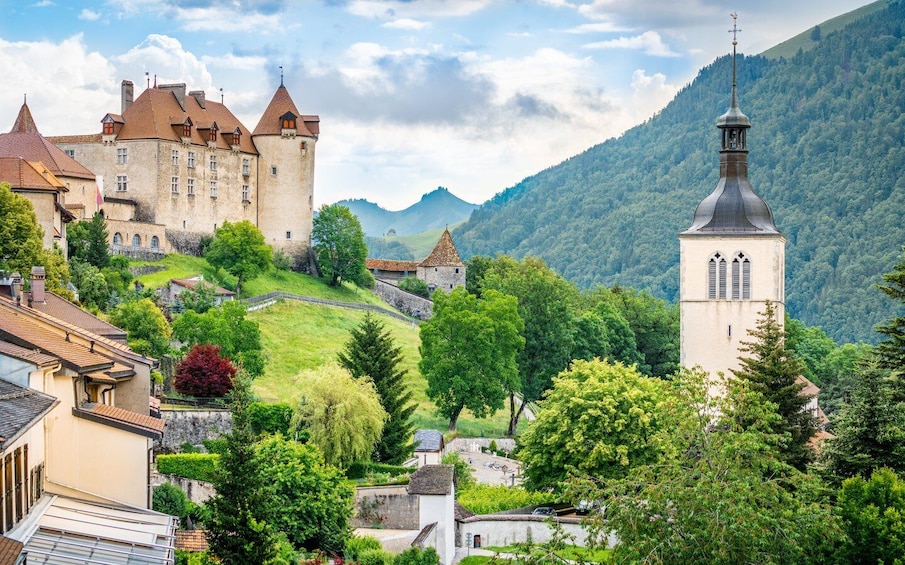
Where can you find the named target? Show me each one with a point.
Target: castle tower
(285, 141)
(732, 258)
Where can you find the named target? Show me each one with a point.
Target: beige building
(174, 166)
(442, 269)
(732, 258)
(46, 193)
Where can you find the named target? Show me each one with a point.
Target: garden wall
(389, 507)
(502, 530)
(403, 301)
(192, 426)
(474, 444)
(197, 491)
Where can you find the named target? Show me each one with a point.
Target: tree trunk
(514, 415)
(453, 418)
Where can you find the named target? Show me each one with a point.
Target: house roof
(20, 409)
(10, 550)
(191, 540)
(153, 113)
(432, 479)
(269, 124)
(428, 440)
(29, 175)
(24, 141)
(810, 389)
(193, 282)
(444, 254)
(28, 355)
(60, 308)
(134, 422)
(391, 265)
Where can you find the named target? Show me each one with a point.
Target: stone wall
(407, 302)
(390, 507)
(192, 426)
(474, 444)
(501, 530)
(197, 491)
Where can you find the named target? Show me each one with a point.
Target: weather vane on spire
(281, 75)
(734, 31)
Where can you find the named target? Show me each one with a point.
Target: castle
(173, 165)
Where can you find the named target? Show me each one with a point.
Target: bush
(171, 500)
(488, 499)
(361, 469)
(375, 557)
(415, 556)
(197, 466)
(270, 418)
(204, 373)
(415, 286)
(873, 517)
(217, 446)
(356, 545)
(193, 558)
(464, 477)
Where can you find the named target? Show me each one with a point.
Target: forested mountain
(435, 210)
(827, 152)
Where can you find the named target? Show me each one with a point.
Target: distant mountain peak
(436, 209)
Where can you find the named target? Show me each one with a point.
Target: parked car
(544, 511)
(585, 507)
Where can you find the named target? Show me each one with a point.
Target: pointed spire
(281, 77)
(24, 122)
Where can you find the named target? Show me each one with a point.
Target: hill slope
(827, 153)
(435, 210)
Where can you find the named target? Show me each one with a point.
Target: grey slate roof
(20, 408)
(432, 479)
(733, 208)
(428, 440)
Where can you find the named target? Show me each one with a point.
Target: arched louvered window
(716, 277)
(741, 277)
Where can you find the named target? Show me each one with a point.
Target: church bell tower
(732, 258)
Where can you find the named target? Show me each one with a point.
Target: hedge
(488, 499)
(197, 466)
(361, 469)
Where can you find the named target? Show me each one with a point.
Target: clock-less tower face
(732, 258)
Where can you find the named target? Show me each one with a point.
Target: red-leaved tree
(204, 373)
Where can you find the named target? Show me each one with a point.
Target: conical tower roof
(24, 122)
(24, 141)
(444, 254)
(281, 103)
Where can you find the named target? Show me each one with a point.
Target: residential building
(46, 193)
(442, 268)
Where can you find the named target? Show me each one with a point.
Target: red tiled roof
(88, 138)
(391, 266)
(141, 423)
(810, 389)
(27, 355)
(444, 254)
(10, 550)
(191, 540)
(22, 174)
(269, 124)
(62, 309)
(151, 116)
(25, 141)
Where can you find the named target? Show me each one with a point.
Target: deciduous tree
(20, 234)
(873, 517)
(240, 249)
(87, 241)
(598, 420)
(204, 373)
(146, 327)
(339, 245)
(468, 352)
(239, 338)
(372, 352)
(342, 415)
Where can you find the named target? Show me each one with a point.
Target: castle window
(122, 183)
(136, 241)
(245, 193)
(213, 162)
(108, 127)
(213, 189)
(155, 242)
(246, 167)
(741, 277)
(70, 152)
(457, 270)
(288, 123)
(190, 187)
(304, 147)
(273, 170)
(716, 277)
(174, 156)
(237, 137)
(117, 239)
(289, 235)
(174, 185)
(122, 156)
(191, 160)
(187, 129)
(213, 135)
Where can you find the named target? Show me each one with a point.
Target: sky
(471, 95)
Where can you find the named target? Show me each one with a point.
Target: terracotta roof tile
(191, 540)
(269, 124)
(62, 309)
(392, 266)
(25, 141)
(810, 389)
(27, 355)
(10, 550)
(140, 423)
(31, 175)
(444, 254)
(87, 138)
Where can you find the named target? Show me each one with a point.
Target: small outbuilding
(429, 447)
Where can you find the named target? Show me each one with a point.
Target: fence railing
(265, 300)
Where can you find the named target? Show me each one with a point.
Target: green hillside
(827, 153)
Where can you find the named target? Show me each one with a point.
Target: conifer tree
(773, 370)
(372, 352)
(891, 351)
(870, 430)
(237, 530)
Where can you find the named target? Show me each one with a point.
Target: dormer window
(108, 127)
(213, 134)
(287, 121)
(187, 129)
(236, 136)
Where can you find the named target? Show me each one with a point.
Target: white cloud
(406, 24)
(164, 57)
(232, 16)
(654, 13)
(42, 4)
(415, 8)
(556, 3)
(520, 34)
(71, 93)
(233, 61)
(599, 27)
(649, 42)
(89, 15)
(650, 93)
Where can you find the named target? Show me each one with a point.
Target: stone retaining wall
(474, 444)
(390, 507)
(192, 426)
(197, 491)
(501, 530)
(403, 301)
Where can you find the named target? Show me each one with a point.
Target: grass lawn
(299, 336)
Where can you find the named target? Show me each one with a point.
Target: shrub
(204, 373)
(416, 556)
(375, 557)
(170, 499)
(217, 446)
(415, 286)
(361, 469)
(464, 477)
(873, 517)
(488, 499)
(197, 466)
(270, 418)
(356, 545)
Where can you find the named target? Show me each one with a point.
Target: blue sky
(473, 95)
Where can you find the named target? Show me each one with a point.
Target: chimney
(127, 95)
(15, 287)
(37, 285)
(178, 91)
(198, 95)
